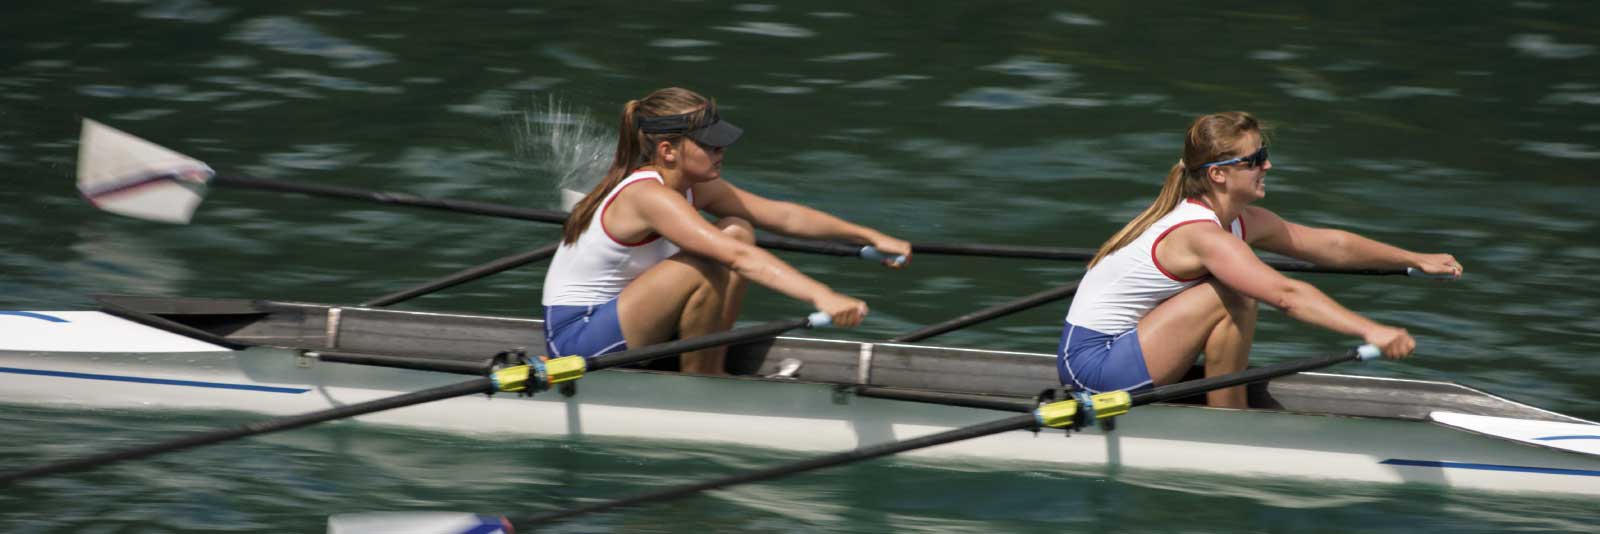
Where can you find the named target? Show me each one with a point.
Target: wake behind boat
(846, 394)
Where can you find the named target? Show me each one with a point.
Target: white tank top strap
(596, 267)
(1128, 283)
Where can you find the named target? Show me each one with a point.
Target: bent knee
(737, 228)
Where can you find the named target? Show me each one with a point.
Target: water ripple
(1076, 19)
(852, 56)
(291, 36)
(197, 11)
(1560, 150)
(769, 29)
(1390, 93)
(333, 82)
(1545, 47)
(681, 43)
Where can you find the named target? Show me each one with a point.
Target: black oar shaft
(481, 385)
(466, 275)
(773, 242)
(856, 455)
(644, 354)
(156, 321)
(400, 199)
(494, 210)
(1025, 303)
(1003, 251)
(1196, 387)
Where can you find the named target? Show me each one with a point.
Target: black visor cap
(719, 134)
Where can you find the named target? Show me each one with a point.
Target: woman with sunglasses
(616, 283)
(1181, 279)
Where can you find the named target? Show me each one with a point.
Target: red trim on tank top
(1163, 235)
(653, 236)
(1242, 233)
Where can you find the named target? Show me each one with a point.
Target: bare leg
(1208, 317)
(685, 295)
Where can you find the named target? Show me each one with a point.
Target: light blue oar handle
(870, 252)
(1417, 273)
(1368, 352)
(819, 320)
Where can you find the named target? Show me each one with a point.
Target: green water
(1464, 127)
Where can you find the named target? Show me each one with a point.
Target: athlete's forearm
(1347, 249)
(763, 268)
(804, 221)
(1304, 302)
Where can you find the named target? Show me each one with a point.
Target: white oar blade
(417, 523)
(123, 174)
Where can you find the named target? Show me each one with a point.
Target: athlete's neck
(673, 176)
(1227, 209)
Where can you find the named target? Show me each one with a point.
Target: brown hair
(636, 148)
(1213, 137)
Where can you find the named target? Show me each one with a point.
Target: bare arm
(666, 212)
(1232, 262)
(727, 200)
(1337, 248)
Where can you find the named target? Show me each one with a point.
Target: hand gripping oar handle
(870, 252)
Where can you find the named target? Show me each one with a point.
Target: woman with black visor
(1181, 278)
(616, 283)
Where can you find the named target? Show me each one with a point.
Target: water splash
(565, 145)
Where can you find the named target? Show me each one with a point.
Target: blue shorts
(586, 331)
(1101, 362)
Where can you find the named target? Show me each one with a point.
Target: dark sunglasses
(1253, 160)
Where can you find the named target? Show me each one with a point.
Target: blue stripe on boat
(146, 380)
(33, 315)
(1492, 467)
(1554, 438)
(487, 524)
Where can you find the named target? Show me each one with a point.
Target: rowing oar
(466, 275)
(999, 310)
(1082, 410)
(123, 174)
(533, 377)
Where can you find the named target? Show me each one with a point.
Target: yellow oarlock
(565, 369)
(1080, 410)
(514, 378)
(542, 374)
(1111, 404)
(1058, 414)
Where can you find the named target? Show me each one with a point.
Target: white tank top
(593, 269)
(1126, 284)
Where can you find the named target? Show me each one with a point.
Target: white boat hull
(808, 417)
